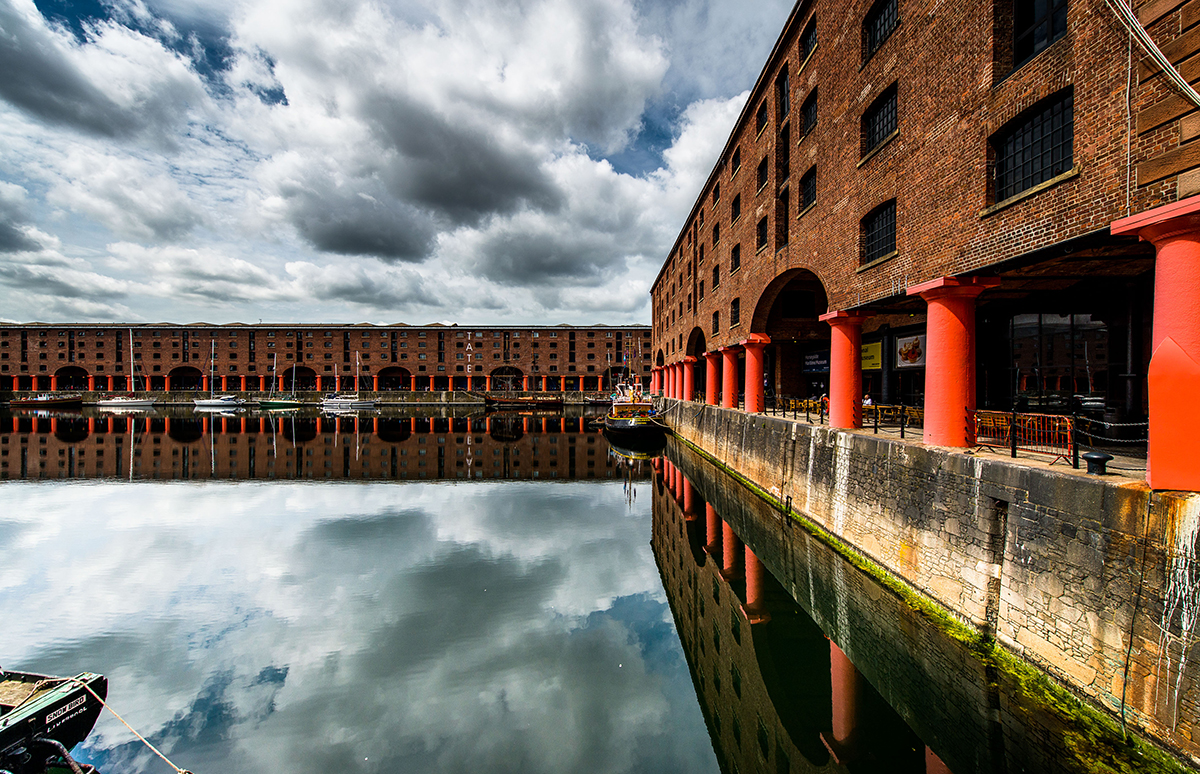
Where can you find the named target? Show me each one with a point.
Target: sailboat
(348, 401)
(127, 402)
(217, 402)
(271, 402)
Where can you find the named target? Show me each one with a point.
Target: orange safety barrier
(1050, 434)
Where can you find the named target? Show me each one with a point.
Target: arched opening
(507, 428)
(186, 430)
(796, 363)
(508, 379)
(185, 378)
(303, 377)
(394, 430)
(71, 429)
(659, 360)
(298, 430)
(71, 378)
(697, 345)
(394, 378)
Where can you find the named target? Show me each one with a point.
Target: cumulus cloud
(117, 84)
(17, 233)
(441, 158)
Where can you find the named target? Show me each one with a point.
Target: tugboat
(632, 421)
(43, 717)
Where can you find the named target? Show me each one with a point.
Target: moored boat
(632, 415)
(43, 717)
(346, 402)
(220, 403)
(521, 402)
(125, 403)
(48, 400)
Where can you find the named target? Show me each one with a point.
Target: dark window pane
(1036, 24)
(1037, 146)
(808, 188)
(762, 233)
(879, 121)
(808, 39)
(763, 172)
(878, 25)
(808, 114)
(879, 232)
(735, 259)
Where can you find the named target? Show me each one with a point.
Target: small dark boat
(49, 400)
(521, 402)
(42, 718)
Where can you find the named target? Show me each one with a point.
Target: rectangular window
(764, 171)
(808, 189)
(716, 233)
(783, 204)
(808, 113)
(762, 234)
(879, 121)
(1036, 24)
(783, 154)
(808, 39)
(716, 322)
(878, 231)
(783, 96)
(1036, 146)
(878, 25)
(735, 258)
(716, 192)
(735, 312)
(716, 276)
(735, 209)
(736, 162)
(761, 117)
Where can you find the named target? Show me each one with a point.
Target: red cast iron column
(1174, 230)
(950, 357)
(845, 369)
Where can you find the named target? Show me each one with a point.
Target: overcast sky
(472, 161)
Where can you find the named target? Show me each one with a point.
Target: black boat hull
(66, 713)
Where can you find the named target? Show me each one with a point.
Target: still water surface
(313, 626)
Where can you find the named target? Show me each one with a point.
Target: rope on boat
(141, 738)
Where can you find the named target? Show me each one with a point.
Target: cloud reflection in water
(339, 627)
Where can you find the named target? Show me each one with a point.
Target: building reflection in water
(295, 446)
(778, 695)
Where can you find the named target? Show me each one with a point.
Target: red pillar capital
(845, 368)
(950, 357)
(1174, 230)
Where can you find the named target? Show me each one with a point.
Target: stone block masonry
(1085, 578)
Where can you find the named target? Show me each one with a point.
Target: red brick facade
(83, 356)
(951, 66)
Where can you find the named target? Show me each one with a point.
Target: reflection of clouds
(306, 627)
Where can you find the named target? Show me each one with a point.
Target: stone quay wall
(1085, 577)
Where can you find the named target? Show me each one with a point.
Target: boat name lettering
(56, 714)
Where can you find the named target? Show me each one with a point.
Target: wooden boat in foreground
(42, 718)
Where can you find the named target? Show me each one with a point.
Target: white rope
(1129, 20)
(141, 738)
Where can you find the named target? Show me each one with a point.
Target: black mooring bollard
(1096, 462)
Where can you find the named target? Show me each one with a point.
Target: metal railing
(1049, 434)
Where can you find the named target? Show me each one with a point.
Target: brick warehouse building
(956, 206)
(326, 357)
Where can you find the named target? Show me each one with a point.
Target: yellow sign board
(872, 356)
